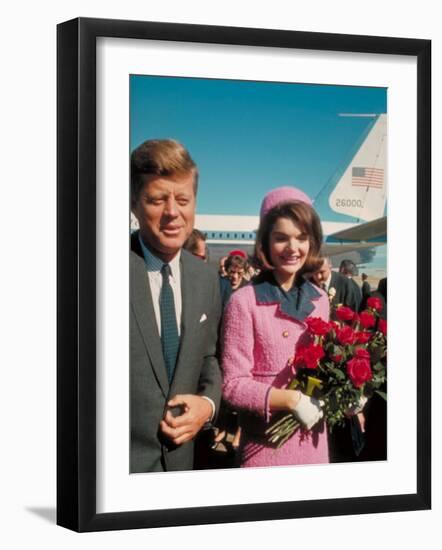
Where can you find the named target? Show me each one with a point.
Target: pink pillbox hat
(280, 195)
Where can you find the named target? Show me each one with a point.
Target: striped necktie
(170, 340)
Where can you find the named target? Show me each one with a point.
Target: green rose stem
(286, 426)
(276, 425)
(287, 430)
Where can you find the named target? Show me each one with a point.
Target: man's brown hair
(306, 219)
(159, 157)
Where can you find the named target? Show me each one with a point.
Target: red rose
(309, 356)
(362, 353)
(336, 353)
(359, 371)
(375, 303)
(344, 313)
(367, 319)
(317, 326)
(382, 326)
(345, 335)
(362, 337)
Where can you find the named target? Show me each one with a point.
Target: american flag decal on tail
(367, 177)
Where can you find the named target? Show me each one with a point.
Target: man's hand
(180, 429)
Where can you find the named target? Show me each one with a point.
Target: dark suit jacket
(197, 370)
(356, 295)
(366, 290)
(342, 288)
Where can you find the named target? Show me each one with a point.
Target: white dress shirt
(326, 284)
(154, 265)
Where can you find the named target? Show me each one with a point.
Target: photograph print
(258, 274)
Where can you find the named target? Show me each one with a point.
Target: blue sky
(249, 137)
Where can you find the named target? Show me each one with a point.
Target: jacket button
(285, 334)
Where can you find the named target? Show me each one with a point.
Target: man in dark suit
(366, 291)
(175, 380)
(335, 284)
(349, 270)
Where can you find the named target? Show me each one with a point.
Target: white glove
(308, 411)
(357, 407)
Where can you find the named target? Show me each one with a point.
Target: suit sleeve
(210, 380)
(239, 387)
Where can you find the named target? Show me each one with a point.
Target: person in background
(236, 269)
(221, 268)
(366, 290)
(264, 322)
(334, 284)
(381, 292)
(229, 431)
(196, 245)
(348, 269)
(245, 257)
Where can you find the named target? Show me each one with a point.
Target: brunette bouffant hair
(305, 217)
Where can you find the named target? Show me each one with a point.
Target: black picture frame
(76, 273)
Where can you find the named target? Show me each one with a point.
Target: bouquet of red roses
(343, 364)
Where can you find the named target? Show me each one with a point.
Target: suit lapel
(189, 294)
(141, 298)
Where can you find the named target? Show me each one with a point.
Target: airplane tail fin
(360, 190)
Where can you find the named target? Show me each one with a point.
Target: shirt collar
(154, 264)
(328, 281)
(297, 303)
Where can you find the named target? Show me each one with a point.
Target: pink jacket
(259, 337)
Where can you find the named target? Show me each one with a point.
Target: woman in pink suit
(263, 324)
